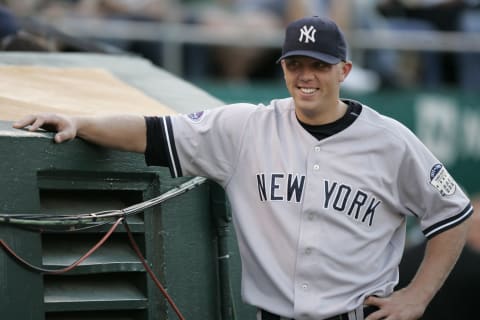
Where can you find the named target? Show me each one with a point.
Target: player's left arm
(441, 254)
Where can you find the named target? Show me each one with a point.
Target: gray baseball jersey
(320, 224)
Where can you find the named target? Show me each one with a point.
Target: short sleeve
(428, 191)
(208, 143)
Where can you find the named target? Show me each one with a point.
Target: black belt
(344, 316)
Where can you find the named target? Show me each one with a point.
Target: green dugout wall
(187, 240)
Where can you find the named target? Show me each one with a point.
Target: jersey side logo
(196, 116)
(441, 180)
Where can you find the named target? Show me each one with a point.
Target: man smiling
(314, 66)
(320, 187)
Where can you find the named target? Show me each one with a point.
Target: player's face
(315, 87)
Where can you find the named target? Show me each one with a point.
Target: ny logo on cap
(307, 34)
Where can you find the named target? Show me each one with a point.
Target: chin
(306, 104)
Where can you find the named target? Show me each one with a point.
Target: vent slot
(97, 315)
(112, 282)
(95, 292)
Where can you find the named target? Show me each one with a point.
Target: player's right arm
(122, 132)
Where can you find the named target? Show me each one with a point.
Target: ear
(344, 69)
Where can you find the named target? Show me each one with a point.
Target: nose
(306, 74)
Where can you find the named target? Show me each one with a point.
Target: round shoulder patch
(196, 116)
(442, 180)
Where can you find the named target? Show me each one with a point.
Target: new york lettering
(292, 187)
(354, 203)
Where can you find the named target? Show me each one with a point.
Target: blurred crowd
(24, 27)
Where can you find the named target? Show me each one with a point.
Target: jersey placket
(309, 252)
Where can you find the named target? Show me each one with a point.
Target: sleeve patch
(441, 180)
(196, 116)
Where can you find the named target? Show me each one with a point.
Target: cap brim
(312, 54)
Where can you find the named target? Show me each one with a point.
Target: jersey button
(316, 167)
(317, 149)
(305, 286)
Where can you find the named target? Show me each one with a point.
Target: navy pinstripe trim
(174, 163)
(448, 223)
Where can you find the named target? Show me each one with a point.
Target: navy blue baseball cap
(316, 37)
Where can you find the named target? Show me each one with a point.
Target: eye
(292, 64)
(322, 66)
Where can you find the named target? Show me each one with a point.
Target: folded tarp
(70, 90)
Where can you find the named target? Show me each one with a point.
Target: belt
(344, 316)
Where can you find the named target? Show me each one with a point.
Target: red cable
(91, 251)
(150, 272)
(73, 265)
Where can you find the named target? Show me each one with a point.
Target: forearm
(409, 303)
(441, 254)
(122, 132)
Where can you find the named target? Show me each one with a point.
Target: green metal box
(182, 239)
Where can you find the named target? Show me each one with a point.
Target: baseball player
(320, 187)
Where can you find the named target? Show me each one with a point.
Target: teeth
(308, 90)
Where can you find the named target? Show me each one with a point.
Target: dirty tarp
(70, 90)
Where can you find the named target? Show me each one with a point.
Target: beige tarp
(32, 89)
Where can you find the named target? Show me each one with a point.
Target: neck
(323, 116)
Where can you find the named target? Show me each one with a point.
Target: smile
(308, 90)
